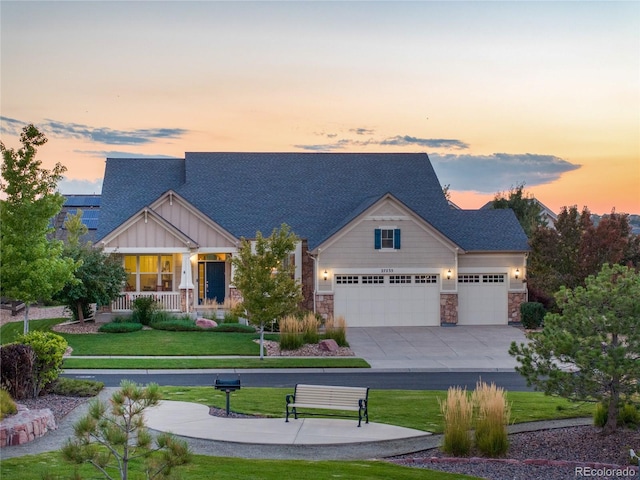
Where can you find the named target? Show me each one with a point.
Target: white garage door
(387, 300)
(482, 299)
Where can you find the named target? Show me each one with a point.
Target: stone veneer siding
(448, 309)
(324, 305)
(515, 300)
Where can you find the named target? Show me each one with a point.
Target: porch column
(186, 280)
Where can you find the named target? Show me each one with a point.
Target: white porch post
(186, 280)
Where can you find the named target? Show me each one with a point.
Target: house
(379, 243)
(547, 216)
(90, 207)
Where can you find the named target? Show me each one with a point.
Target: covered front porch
(178, 282)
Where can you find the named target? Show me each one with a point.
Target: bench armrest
(290, 398)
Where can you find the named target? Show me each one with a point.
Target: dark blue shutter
(377, 239)
(396, 238)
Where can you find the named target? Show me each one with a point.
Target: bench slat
(329, 398)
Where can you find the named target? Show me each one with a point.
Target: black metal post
(228, 393)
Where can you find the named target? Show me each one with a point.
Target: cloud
(362, 131)
(70, 187)
(326, 147)
(397, 141)
(110, 136)
(498, 171)
(403, 140)
(11, 126)
(103, 135)
(117, 154)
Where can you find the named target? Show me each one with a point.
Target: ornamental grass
(336, 328)
(457, 410)
(290, 333)
(492, 414)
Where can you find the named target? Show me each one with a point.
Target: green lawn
(418, 409)
(174, 344)
(51, 466)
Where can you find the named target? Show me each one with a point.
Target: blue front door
(212, 285)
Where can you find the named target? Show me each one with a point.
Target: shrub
(176, 324)
(49, 349)
(122, 327)
(123, 319)
(532, 314)
(492, 417)
(310, 329)
(230, 317)
(17, 372)
(74, 387)
(628, 415)
(337, 330)
(7, 405)
(600, 415)
(290, 333)
(458, 413)
(142, 309)
(233, 327)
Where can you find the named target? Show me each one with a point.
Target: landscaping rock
(329, 345)
(206, 323)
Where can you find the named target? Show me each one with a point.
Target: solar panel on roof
(82, 201)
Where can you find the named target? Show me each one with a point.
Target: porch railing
(169, 301)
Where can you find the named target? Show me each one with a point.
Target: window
(375, 279)
(468, 278)
(400, 279)
(493, 279)
(149, 273)
(387, 238)
(425, 279)
(346, 279)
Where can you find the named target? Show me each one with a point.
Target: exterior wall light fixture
(325, 275)
(449, 274)
(517, 273)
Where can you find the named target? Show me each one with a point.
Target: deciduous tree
(98, 278)
(527, 210)
(32, 267)
(265, 279)
(590, 351)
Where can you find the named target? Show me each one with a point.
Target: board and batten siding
(185, 220)
(149, 234)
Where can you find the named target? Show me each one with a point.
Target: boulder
(206, 323)
(329, 345)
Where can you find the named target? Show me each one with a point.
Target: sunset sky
(497, 93)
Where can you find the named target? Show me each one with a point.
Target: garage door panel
(401, 303)
(482, 299)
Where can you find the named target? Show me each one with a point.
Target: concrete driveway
(459, 348)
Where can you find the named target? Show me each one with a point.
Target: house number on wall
(386, 270)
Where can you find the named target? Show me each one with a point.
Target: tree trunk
(79, 310)
(612, 412)
(261, 341)
(25, 330)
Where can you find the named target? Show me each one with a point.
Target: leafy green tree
(119, 427)
(265, 279)
(590, 351)
(49, 351)
(31, 265)
(526, 208)
(98, 278)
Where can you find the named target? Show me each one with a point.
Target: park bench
(325, 397)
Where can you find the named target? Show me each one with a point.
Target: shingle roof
(316, 194)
